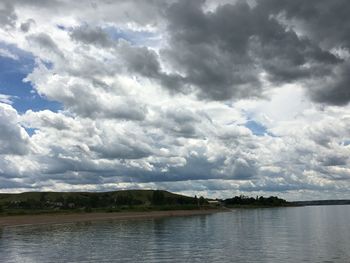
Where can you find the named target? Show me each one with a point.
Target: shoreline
(44, 219)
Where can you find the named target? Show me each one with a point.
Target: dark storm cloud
(222, 52)
(335, 89)
(326, 23)
(211, 53)
(145, 62)
(141, 60)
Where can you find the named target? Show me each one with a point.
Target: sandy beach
(22, 220)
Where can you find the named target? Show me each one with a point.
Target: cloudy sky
(213, 98)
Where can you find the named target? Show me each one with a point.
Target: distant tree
(202, 200)
(258, 201)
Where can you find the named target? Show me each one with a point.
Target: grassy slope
(142, 195)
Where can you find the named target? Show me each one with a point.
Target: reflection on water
(301, 234)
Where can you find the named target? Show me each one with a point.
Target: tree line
(258, 201)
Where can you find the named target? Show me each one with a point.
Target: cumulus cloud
(225, 52)
(45, 42)
(325, 23)
(13, 138)
(119, 143)
(7, 54)
(25, 26)
(6, 99)
(95, 36)
(174, 109)
(8, 15)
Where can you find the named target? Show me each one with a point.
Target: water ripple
(303, 234)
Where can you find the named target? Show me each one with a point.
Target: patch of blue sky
(62, 27)
(12, 73)
(144, 38)
(30, 131)
(137, 38)
(257, 128)
(346, 142)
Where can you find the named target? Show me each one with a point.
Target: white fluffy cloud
(134, 116)
(13, 138)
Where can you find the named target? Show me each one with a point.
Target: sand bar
(22, 220)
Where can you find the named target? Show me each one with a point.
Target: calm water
(303, 234)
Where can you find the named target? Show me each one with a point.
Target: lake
(297, 234)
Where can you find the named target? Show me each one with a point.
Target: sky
(212, 98)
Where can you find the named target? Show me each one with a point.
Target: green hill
(88, 201)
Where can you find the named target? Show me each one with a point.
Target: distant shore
(23, 220)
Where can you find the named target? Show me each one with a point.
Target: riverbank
(22, 220)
